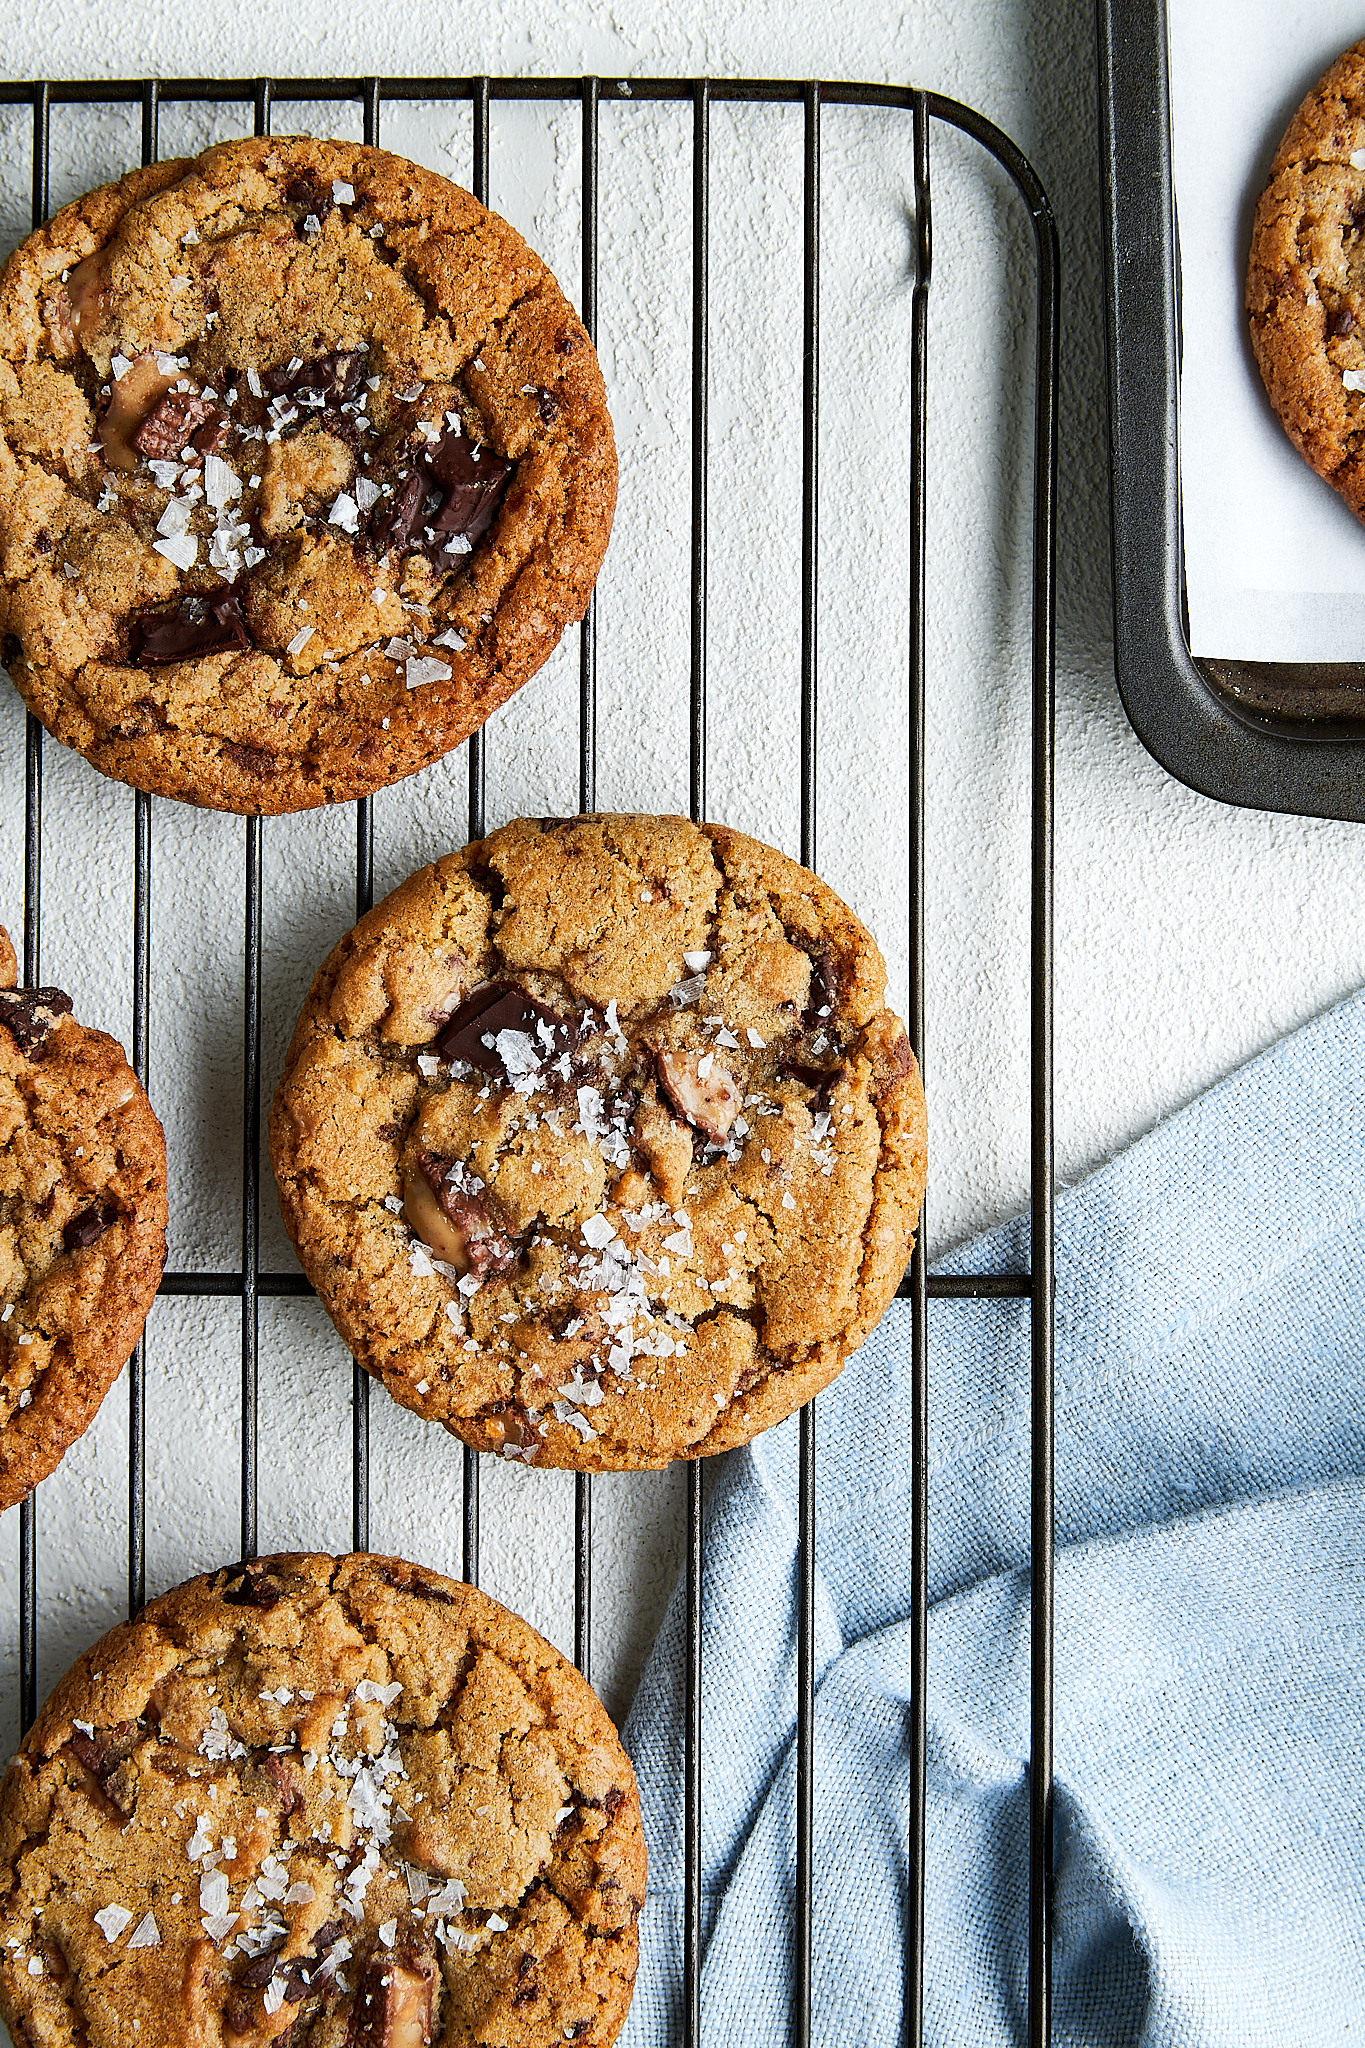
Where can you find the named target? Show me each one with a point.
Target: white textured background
(1189, 935)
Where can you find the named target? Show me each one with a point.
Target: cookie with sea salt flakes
(305, 466)
(1305, 290)
(82, 1224)
(341, 1802)
(598, 1141)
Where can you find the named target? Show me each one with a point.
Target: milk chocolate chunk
(172, 424)
(393, 2005)
(29, 1015)
(501, 1006)
(453, 1220)
(197, 626)
(702, 1090)
(132, 401)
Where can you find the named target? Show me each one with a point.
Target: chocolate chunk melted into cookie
(198, 625)
(473, 1032)
(90, 1224)
(304, 190)
(473, 480)
(30, 1014)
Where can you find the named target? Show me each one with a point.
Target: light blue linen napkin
(1210, 1626)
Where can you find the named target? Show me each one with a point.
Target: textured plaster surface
(1188, 935)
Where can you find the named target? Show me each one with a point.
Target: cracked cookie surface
(599, 1143)
(82, 1224)
(1305, 291)
(305, 465)
(326, 1803)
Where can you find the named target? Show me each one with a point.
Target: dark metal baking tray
(1270, 735)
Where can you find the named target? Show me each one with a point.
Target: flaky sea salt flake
(146, 1934)
(425, 668)
(180, 549)
(300, 640)
(112, 1921)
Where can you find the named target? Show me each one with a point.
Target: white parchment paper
(1274, 561)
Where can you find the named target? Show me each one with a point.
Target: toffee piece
(305, 466)
(82, 1224)
(1305, 289)
(599, 1143)
(336, 1801)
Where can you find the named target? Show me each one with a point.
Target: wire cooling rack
(923, 114)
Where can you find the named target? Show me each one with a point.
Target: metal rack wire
(249, 1284)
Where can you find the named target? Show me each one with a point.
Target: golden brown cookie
(82, 1224)
(1306, 279)
(341, 1802)
(305, 466)
(599, 1143)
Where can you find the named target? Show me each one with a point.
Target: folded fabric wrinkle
(1210, 1626)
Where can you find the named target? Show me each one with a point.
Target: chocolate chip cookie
(1306, 280)
(598, 1141)
(335, 1801)
(305, 466)
(82, 1224)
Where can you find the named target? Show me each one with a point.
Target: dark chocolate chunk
(565, 344)
(143, 717)
(29, 1015)
(327, 380)
(254, 1587)
(42, 543)
(501, 1006)
(258, 1974)
(84, 1747)
(1342, 323)
(821, 1081)
(418, 1588)
(172, 424)
(452, 496)
(198, 625)
(96, 1766)
(547, 405)
(824, 987)
(305, 191)
(90, 1224)
(473, 482)
(398, 523)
